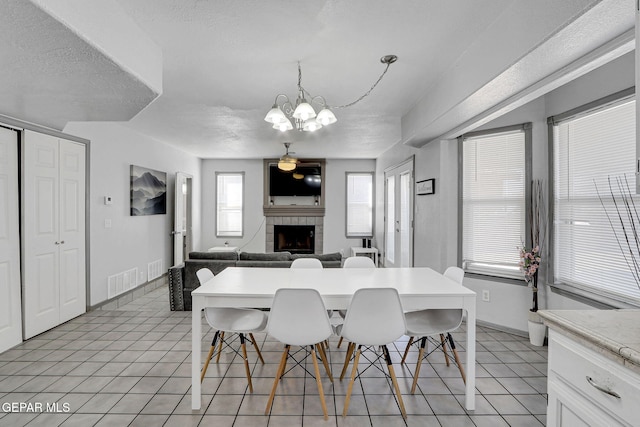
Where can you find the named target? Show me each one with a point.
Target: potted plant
(531, 258)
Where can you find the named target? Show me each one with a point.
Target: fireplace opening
(297, 239)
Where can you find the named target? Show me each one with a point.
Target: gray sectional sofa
(183, 280)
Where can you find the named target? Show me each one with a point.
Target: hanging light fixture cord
(388, 60)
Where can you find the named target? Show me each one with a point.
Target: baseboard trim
(125, 298)
(501, 328)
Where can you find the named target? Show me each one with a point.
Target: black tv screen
(303, 181)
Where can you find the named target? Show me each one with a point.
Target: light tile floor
(131, 367)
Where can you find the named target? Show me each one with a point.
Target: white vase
(537, 331)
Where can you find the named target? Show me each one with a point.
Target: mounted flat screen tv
(303, 181)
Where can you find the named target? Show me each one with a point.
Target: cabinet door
(10, 309)
(40, 195)
(72, 230)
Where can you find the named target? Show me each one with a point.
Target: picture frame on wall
(148, 191)
(427, 186)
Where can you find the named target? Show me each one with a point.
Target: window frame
(526, 128)
(242, 212)
(583, 294)
(373, 205)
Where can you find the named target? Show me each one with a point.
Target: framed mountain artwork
(148, 191)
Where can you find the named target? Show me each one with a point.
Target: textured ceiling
(224, 61)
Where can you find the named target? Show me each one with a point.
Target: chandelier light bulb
(304, 111)
(326, 117)
(311, 125)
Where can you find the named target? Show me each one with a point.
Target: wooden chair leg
(354, 371)
(340, 342)
(457, 359)
(243, 345)
(220, 346)
(444, 348)
(406, 350)
(423, 343)
(350, 348)
(394, 380)
(325, 362)
(255, 345)
(211, 350)
(319, 383)
(279, 372)
(206, 363)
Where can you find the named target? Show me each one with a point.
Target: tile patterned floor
(131, 367)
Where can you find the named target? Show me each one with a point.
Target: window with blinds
(229, 204)
(494, 179)
(593, 168)
(359, 204)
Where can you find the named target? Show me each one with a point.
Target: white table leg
(470, 389)
(196, 338)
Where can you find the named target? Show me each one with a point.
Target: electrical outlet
(486, 296)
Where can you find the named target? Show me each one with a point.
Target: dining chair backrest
(374, 317)
(306, 263)
(203, 275)
(298, 317)
(358, 262)
(454, 273)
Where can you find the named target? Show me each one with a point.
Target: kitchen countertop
(612, 333)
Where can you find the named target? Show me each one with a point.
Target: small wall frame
(427, 186)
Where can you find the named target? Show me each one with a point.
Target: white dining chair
(355, 262)
(240, 321)
(374, 319)
(309, 263)
(298, 317)
(306, 263)
(426, 323)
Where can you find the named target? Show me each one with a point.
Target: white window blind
(493, 202)
(229, 204)
(590, 151)
(359, 204)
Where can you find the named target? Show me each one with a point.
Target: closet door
(53, 232)
(10, 307)
(73, 301)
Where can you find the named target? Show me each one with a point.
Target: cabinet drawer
(605, 383)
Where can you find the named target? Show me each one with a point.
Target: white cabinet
(10, 311)
(53, 227)
(587, 389)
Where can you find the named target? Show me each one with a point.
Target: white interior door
(398, 227)
(53, 197)
(40, 233)
(10, 307)
(182, 218)
(73, 291)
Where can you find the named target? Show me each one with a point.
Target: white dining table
(419, 288)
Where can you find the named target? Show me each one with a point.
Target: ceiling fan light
(311, 125)
(326, 117)
(297, 175)
(304, 111)
(287, 163)
(275, 115)
(283, 126)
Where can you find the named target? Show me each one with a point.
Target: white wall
(335, 220)
(131, 241)
(436, 217)
(254, 221)
(254, 236)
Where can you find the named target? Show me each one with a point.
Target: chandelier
(302, 112)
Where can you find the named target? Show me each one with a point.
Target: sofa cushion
(273, 256)
(335, 256)
(230, 256)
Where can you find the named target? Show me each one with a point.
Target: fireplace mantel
(293, 210)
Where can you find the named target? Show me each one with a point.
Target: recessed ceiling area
(201, 75)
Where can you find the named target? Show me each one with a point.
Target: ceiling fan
(287, 162)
